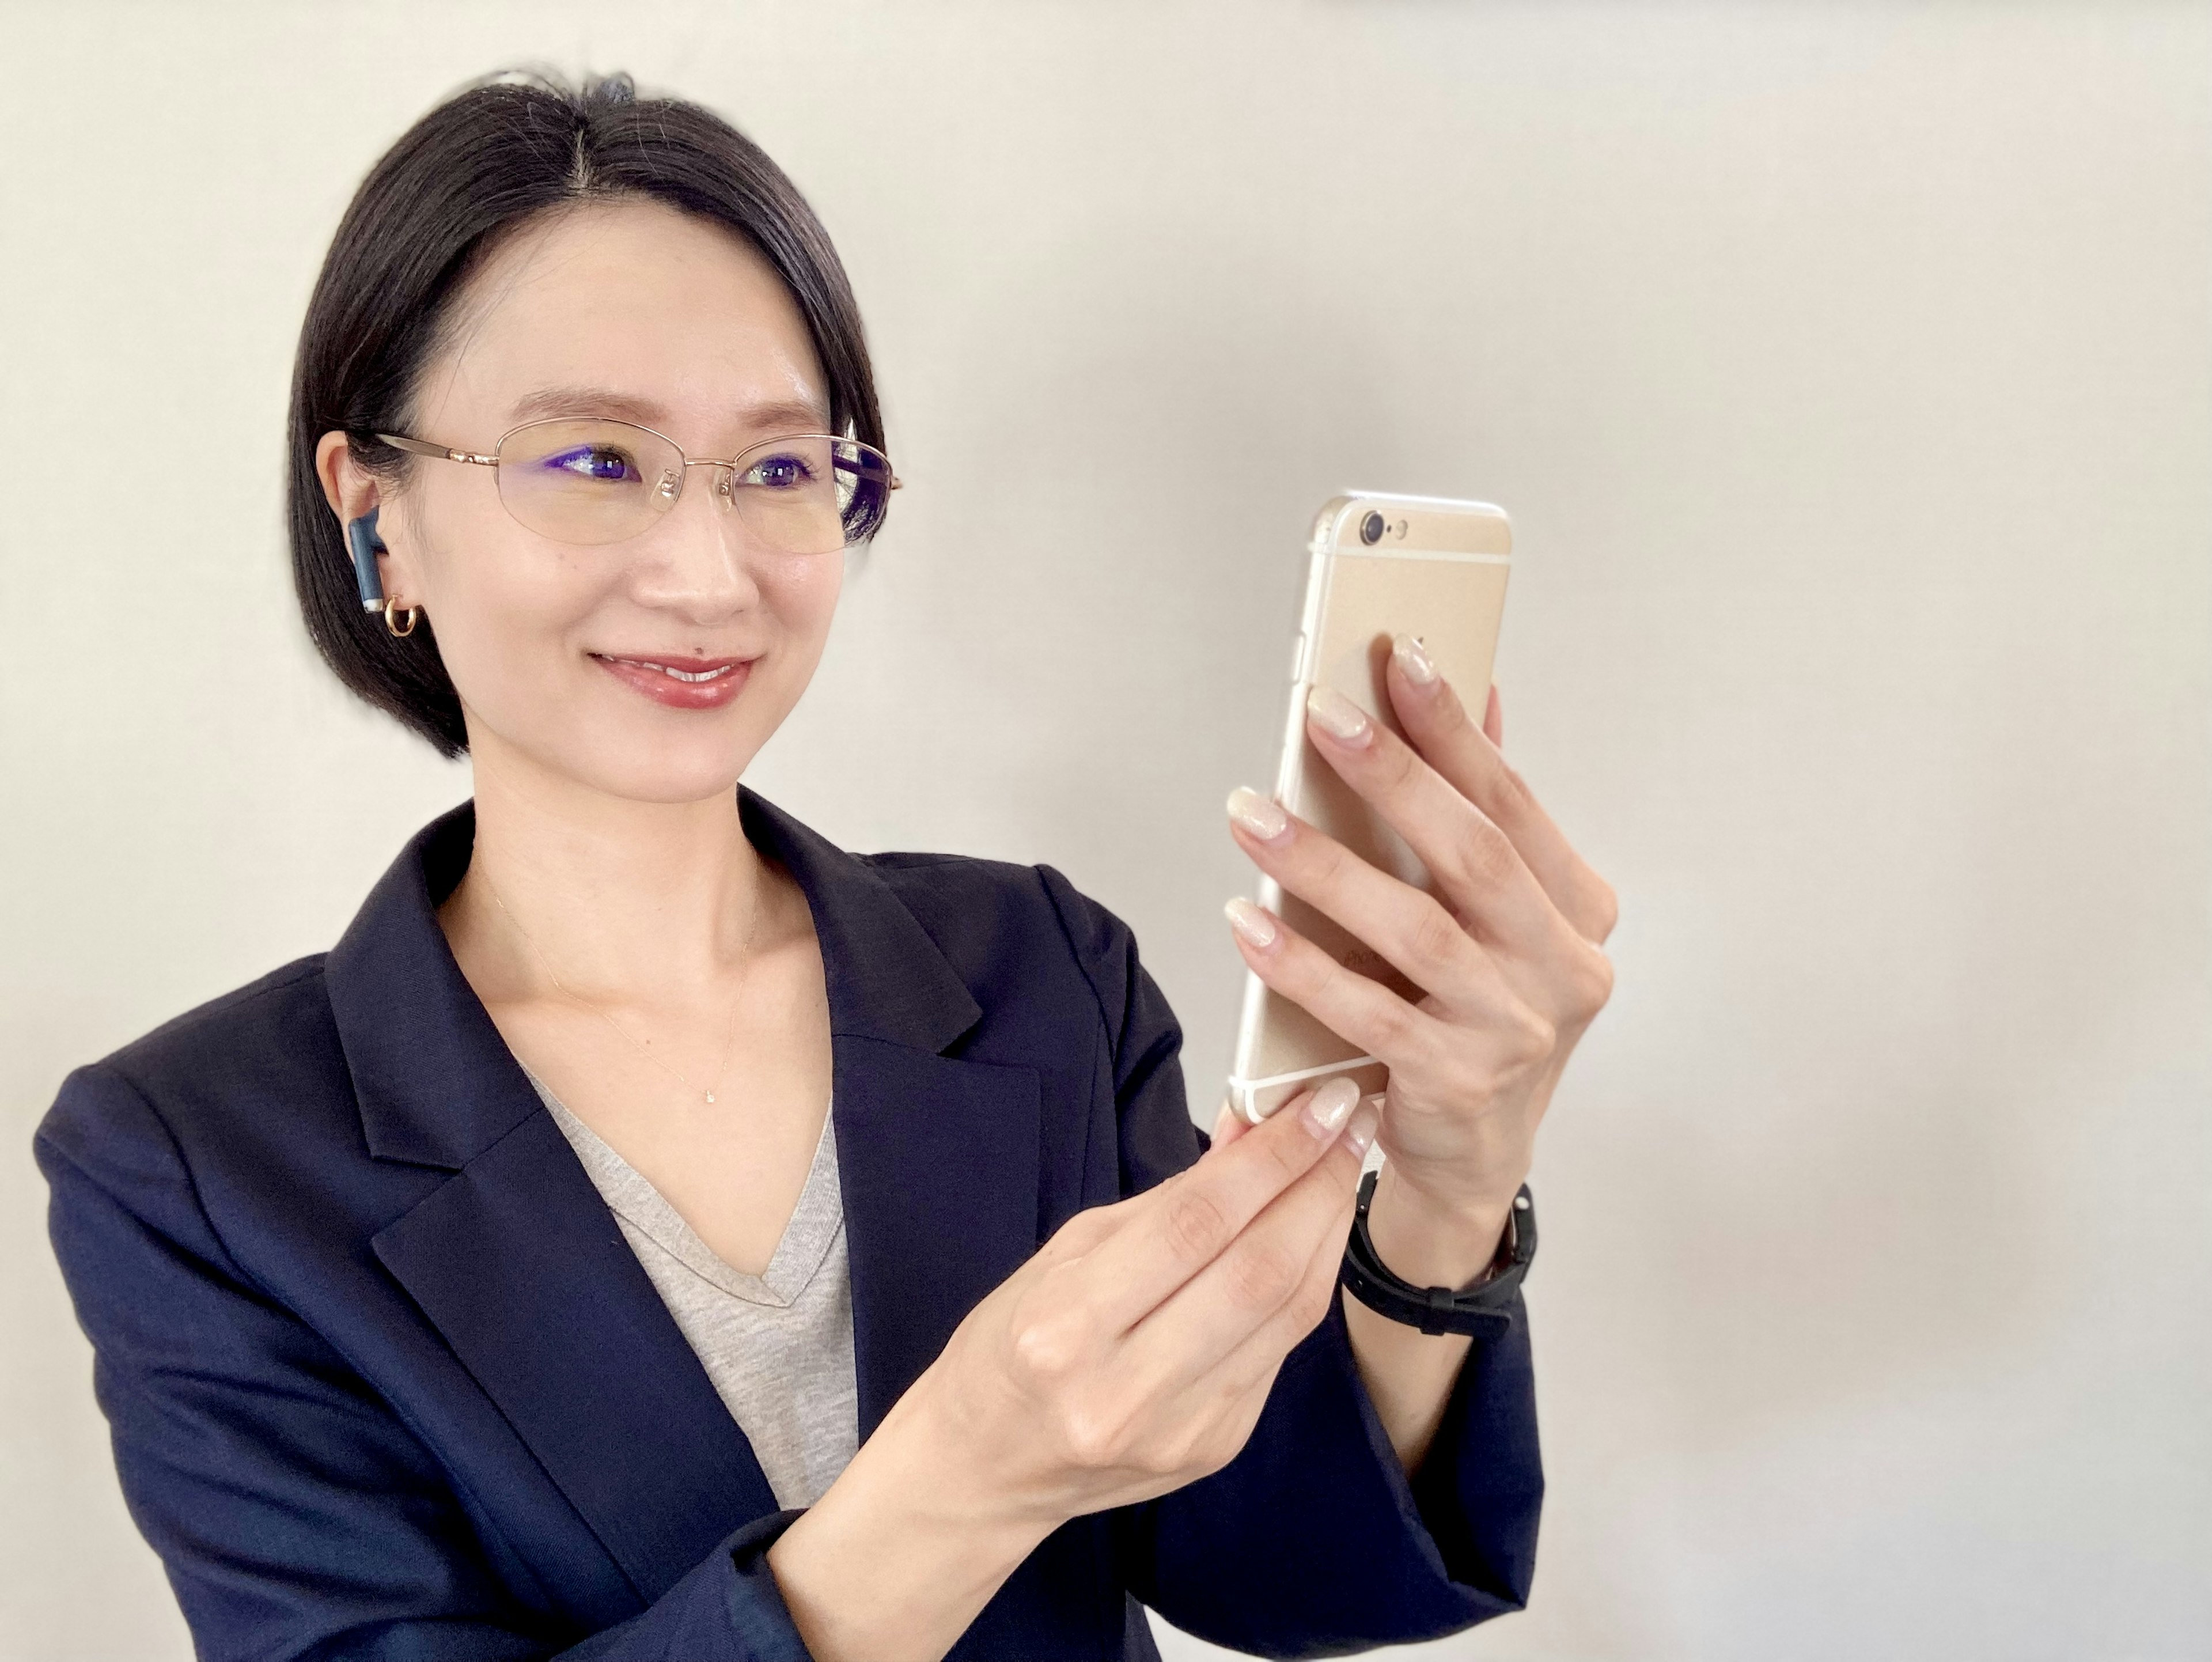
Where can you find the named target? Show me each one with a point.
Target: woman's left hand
(1507, 946)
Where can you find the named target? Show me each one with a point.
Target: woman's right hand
(1133, 1354)
(1130, 1356)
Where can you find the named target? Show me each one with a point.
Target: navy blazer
(385, 1381)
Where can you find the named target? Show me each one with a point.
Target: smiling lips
(681, 683)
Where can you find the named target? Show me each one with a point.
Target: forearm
(1409, 1373)
(894, 1561)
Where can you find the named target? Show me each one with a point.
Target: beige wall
(1846, 371)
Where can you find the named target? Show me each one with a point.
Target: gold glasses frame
(731, 471)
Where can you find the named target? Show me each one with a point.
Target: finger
(1087, 1231)
(1266, 1289)
(1228, 1393)
(1400, 1035)
(1473, 864)
(1471, 861)
(1412, 930)
(1180, 1228)
(1263, 1349)
(1090, 1228)
(1493, 718)
(1467, 758)
(1228, 1125)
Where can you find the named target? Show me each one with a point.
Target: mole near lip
(677, 682)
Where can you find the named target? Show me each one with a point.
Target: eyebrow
(776, 416)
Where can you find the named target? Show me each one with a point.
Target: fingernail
(1250, 922)
(1339, 718)
(1359, 1136)
(1327, 1108)
(1257, 815)
(1412, 661)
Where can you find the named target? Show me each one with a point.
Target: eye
(783, 473)
(600, 463)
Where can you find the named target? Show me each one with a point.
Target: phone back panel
(1439, 572)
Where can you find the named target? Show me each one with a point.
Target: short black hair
(472, 170)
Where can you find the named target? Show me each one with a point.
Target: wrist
(1432, 1239)
(907, 1546)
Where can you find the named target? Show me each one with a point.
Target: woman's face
(559, 652)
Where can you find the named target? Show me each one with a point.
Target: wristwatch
(1482, 1310)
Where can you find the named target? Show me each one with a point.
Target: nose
(700, 570)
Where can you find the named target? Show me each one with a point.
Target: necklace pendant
(710, 1096)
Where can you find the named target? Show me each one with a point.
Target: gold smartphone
(1382, 565)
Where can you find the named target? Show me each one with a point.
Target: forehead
(665, 313)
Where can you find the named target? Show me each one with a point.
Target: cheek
(503, 603)
(800, 593)
(804, 593)
(799, 596)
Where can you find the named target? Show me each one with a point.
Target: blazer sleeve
(1314, 1541)
(296, 1515)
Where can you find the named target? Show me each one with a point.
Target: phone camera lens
(1370, 530)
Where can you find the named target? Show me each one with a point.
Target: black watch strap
(1484, 1310)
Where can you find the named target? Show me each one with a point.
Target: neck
(624, 899)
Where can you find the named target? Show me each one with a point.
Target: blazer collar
(435, 1082)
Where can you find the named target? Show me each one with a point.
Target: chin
(690, 769)
(632, 760)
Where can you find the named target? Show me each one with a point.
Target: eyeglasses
(591, 480)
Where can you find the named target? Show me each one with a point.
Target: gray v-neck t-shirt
(778, 1345)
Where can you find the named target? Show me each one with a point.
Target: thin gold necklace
(744, 977)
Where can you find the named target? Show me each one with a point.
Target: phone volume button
(1298, 658)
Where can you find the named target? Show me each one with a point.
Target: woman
(653, 1231)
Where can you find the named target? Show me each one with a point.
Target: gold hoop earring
(413, 612)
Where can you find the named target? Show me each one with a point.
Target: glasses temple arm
(424, 447)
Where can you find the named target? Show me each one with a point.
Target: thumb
(1228, 1126)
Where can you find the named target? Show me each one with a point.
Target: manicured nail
(1327, 1108)
(1412, 661)
(1359, 1136)
(1339, 718)
(1250, 922)
(1257, 815)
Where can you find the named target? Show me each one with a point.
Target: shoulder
(995, 904)
(1024, 931)
(1006, 899)
(268, 1048)
(241, 1032)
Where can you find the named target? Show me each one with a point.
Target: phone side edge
(1290, 759)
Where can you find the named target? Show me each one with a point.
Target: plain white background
(1846, 370)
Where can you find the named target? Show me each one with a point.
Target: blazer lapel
(516, 1259)
(938, 1159)
(518, 1262)
(522, 1268)
(937, 1155)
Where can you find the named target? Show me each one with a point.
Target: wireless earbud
(362, 537)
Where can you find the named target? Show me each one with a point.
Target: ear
(356, 496)
(348, 487)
